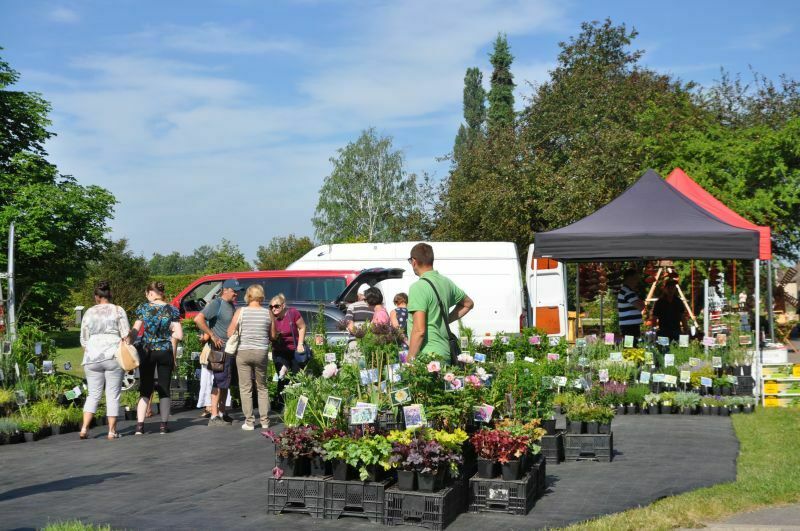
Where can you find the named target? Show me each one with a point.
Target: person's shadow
(58, 485)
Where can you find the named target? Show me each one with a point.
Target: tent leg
(535, 296)
(757, 274)
(602, 296)
(577, 300)
(706, 324)
(770, 312)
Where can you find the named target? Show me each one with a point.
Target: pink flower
(330, 370)
(277, 472)
(487, 342)
(473, 380)
(449, 377)
(434, 366)
(456, 383)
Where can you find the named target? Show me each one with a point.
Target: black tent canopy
(649, 220)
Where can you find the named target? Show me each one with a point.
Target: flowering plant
(473, 380)
(434, 366)
(293, 442)
(466, 358)
(330, 370)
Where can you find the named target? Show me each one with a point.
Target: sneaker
(205, 415)
(265, 425)
(139, 428)
(216, 421)
(248, 427)
(163, 429)
(227, 418)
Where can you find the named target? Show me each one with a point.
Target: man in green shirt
(427, 331)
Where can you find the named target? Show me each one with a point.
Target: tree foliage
(226, 257)
(60, 225)
(369, 196)
(282, 251)
(501, 93)
(179, 264)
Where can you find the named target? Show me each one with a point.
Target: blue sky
(213, 120)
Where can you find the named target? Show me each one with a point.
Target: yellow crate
(796, 370)
(771, 388)
(772, 401)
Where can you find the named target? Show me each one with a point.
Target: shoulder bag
(127, 355)
(455, 347)
(204, 353)
(232, 345)
(300, 357)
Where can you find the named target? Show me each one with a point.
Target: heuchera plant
(499, 445)
(293, 442)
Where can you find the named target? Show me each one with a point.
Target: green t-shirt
(421, 298)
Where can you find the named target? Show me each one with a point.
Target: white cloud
(213, 38)
(63, 14)
(761, 39)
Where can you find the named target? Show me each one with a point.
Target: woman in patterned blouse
(162, 331)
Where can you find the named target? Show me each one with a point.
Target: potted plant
(370, 455)
(486, 443)
(6, 401)
(748, 404)
(549, 424)
(713, 405)
(30, 428)
(511, 449)
(129, 400)
(58, 420)
(686, 402)
(406, 469)
(604, 416)
(293, 447)
(634, 398)
(336, 453)
(576, 418)
(8, 429)
(319, 465)
(666, 400)
(430, 460)
(651, 402)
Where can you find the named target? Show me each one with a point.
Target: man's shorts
(222, 379)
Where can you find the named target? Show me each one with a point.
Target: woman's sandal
(113, 435)
(84, 434)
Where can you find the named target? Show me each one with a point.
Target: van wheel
(130, 380)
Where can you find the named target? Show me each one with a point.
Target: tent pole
(535, 285)
(602, 296)
(757, 274)
(770, 312)
(691, 287)
(706, 324)
(577, 299)
(734, 279)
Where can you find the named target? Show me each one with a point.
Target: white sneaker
(247, 427)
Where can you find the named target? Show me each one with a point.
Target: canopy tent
(689, 187)
(651, 219)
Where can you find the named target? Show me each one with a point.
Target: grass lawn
(76, 525)
(68, 343)
(768, 473)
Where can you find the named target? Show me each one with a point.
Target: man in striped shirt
(630, 306)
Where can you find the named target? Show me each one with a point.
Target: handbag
(232, 345)
(216, 360)
(127, 356)
(455, 345)
(204, 353)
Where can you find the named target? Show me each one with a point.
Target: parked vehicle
(489, 272)
(310, 286)
(547, 290)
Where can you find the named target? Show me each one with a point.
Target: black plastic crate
(296, 495)
(553, 447)
(498, 496)
(745, 386)
(540, 470)
(431, 510)
(356, 498)
(589, 447)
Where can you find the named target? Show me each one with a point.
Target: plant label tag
(2, 376)
(577, 383)
(602, 375)
(732, 379)
(583, 361)
(194, 356)
(658, 378)
(275, 377)
(330, 357)
(694, 362)
(670, 379)
(482, 413)
(534, 340)
(562, 381)
(77, 390)
(70, 395)
(722, 340)
(745, 340)
(644, 377)
(480, 357)
(683, 340)
(686, 376)
(648, 357)
(509, 357)
(331, 409)
(363, 414)
(709, 341)
(505, 340)
(16, 370)
(628, 342)
(716, 362)
(669, 360)
(300, 410)
(580, 342)
(47, 367)
(663, 341)
(609, 338)
(547, 382)
(319, 340)
(31, 369)
(706, 382)
(554, 340)
(37, 348)
(20, 397)
(401, 396)
(414, 416)
(392, 372)
(553, 356)
(499, 495)
(529, 359)
(615, 356)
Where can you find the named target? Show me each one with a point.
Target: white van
(488, 272)
(547, 290)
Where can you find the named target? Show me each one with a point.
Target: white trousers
(206, 382)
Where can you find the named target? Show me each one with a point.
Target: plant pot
(714, 410)
(55, 429)
(724, 411)
(705, 410)
(558, 410)
(592, 428)
(631, 409)
(604, 428)
(746, 370)
(726, 391)
(320, 467)
(427, 482)
(30, 437)
(293, 466)
(549, 426)
(620, 409)
(375, 473)
(747, 409)
(652, 409)
(511, 470)
(686, 410)
(716, 391)
(487, 469)
(342, 471)
(406, 480)
(130, 415)
(576, 427)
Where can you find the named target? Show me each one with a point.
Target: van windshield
(314, 289)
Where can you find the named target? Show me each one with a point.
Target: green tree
(282, 251)
(60, 225)
(474, 103)
(501, 93)
(127, 273)
(226, 257)
(368, 195)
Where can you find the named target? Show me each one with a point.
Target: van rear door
(547, 296)
(367, 276)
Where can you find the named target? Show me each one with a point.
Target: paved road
(215, 478)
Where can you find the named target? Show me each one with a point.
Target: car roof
(294, 273)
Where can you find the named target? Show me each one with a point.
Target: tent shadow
(60, 485)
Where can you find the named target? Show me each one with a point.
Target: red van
(312, 286)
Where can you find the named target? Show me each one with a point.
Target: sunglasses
(409, 260)
(274, 306)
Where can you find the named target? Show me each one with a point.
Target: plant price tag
(602, 375)
(670, 379)
(509, 357)
(716, 362)
(694, 362)
(330, 357)
(644, 377)
(615, 356)
(683, 340)
(608, 339)
(628, 342)
(553, 356)
(658, 377)
(669, 360)
(561, 381)
(706, 382)
(686, 376)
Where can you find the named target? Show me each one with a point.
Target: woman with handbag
(287, 333)
(252, 324)
(103, 328)
(162, 332)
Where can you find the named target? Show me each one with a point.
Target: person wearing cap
(214, 321)
(670, 312)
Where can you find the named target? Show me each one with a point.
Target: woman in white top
(253, 322)
(103, 327)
